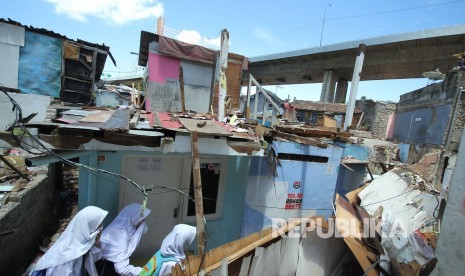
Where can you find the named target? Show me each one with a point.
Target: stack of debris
(14, 174)
(391, 224)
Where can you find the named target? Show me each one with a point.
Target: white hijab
(177, 241)
(76, 240)
(121, 237)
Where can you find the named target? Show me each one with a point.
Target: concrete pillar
(341, 91)
(327, 90)
(449, 250)
(222, 74)
(354, 86)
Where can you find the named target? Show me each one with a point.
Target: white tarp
(29, 104)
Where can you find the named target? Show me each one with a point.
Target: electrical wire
(392, 11)
(352, 17)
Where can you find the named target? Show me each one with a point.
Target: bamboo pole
(199, 215)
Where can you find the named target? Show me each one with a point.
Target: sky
(256, 27)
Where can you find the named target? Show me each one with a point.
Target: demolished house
(330, 115)
(258, 169)
(42, 62)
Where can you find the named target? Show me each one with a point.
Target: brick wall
(368, 108)
(30, 213)
(381, 117)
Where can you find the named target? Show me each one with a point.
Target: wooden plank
(306, 131)
(65, 141)
(199, 215)
(210, 128)
(215, 255)
(313, 132)
(244, 146)
(252, 246)
(255, 103)
(13, 167)
(138, 94)
(247, 112)
(97, 117)
(300, 140)
(264, 93)
(80, 126)
(134, 120)
(181, 89)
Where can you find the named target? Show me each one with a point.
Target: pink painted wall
(162, 68)
(390, 125)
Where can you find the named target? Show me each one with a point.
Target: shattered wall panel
(162, 97)
(197, 98)
(11, 38)
(40, 65)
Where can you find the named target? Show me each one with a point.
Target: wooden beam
(237, 249)
(181, 89)
(199, 215)
(313, 132)
(134, 120)
(247, 107)
(94, 67)
(264, 93)
(6, 162)
(300, 139)
(255, 103)
(138, 94)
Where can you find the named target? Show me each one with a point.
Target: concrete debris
(404, 209)
(427, 166)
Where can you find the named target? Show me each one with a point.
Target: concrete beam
(400, 56)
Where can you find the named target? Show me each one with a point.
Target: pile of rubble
(391, 224)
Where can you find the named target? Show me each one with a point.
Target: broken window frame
(221, 188)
